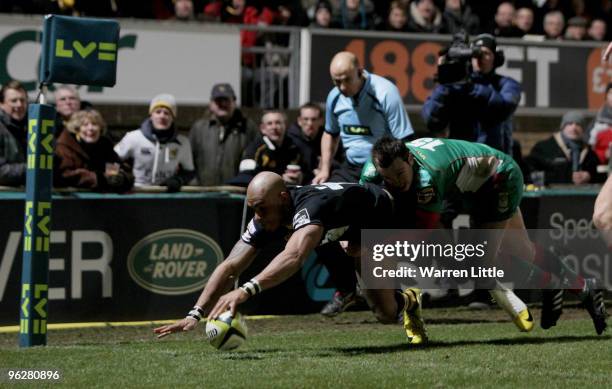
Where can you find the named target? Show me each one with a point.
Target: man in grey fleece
(218, 140)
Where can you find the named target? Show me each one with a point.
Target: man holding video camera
(472, 102)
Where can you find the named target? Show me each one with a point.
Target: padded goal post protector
(80, 51)
(37, 226)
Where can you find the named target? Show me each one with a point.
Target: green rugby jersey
(448, 167)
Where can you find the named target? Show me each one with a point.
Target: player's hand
(581, 177)
(321, 177)
(186, 324)
(293, 178)
(228, 301)
(606, 55)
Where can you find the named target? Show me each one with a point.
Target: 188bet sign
(411, 71)
(410, 62)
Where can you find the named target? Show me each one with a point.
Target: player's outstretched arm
(291, 259)
(220, 281)
(283, 266)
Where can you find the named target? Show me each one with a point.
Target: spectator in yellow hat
(159, 155)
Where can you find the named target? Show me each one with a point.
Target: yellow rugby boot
(413, 319)
(515, 307)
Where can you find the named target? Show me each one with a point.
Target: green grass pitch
(467, 349)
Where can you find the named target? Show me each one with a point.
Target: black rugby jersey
(335, 206)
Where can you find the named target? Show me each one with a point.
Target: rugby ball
(226, 332)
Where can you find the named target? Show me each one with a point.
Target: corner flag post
(63, 60)
(37, 226)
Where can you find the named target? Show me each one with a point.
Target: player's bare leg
(602, 216)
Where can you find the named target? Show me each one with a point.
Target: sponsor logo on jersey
(425, 195)
(145, 151)
(251, 227)
(301, 218)
(250, 231)
(355, 129)
(173, 153)
(173, 262)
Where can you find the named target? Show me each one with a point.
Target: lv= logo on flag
(107, 51)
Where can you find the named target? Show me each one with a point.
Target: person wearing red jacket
(239, 12)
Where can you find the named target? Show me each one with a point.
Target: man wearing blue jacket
(479, 108)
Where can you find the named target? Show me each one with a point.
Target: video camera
(457, 64)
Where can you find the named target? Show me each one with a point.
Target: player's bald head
(346, 73)
(265, 185)
(343, 62)
(268, 197)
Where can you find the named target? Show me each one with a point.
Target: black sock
(405, 300)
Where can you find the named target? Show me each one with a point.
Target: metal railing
(271, 69)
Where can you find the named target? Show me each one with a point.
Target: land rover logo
(173, 262)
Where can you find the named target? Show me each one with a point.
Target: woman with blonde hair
(84, 157)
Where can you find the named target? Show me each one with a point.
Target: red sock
(539, 259)
(578, 285)
(544, 279)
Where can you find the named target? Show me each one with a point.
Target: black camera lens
(476, 52)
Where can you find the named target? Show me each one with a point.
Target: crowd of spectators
(84, 157)
(572, 154)
(13, 132)
(548, 19)
(565, 157)
(600, 132)
(226, 147)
